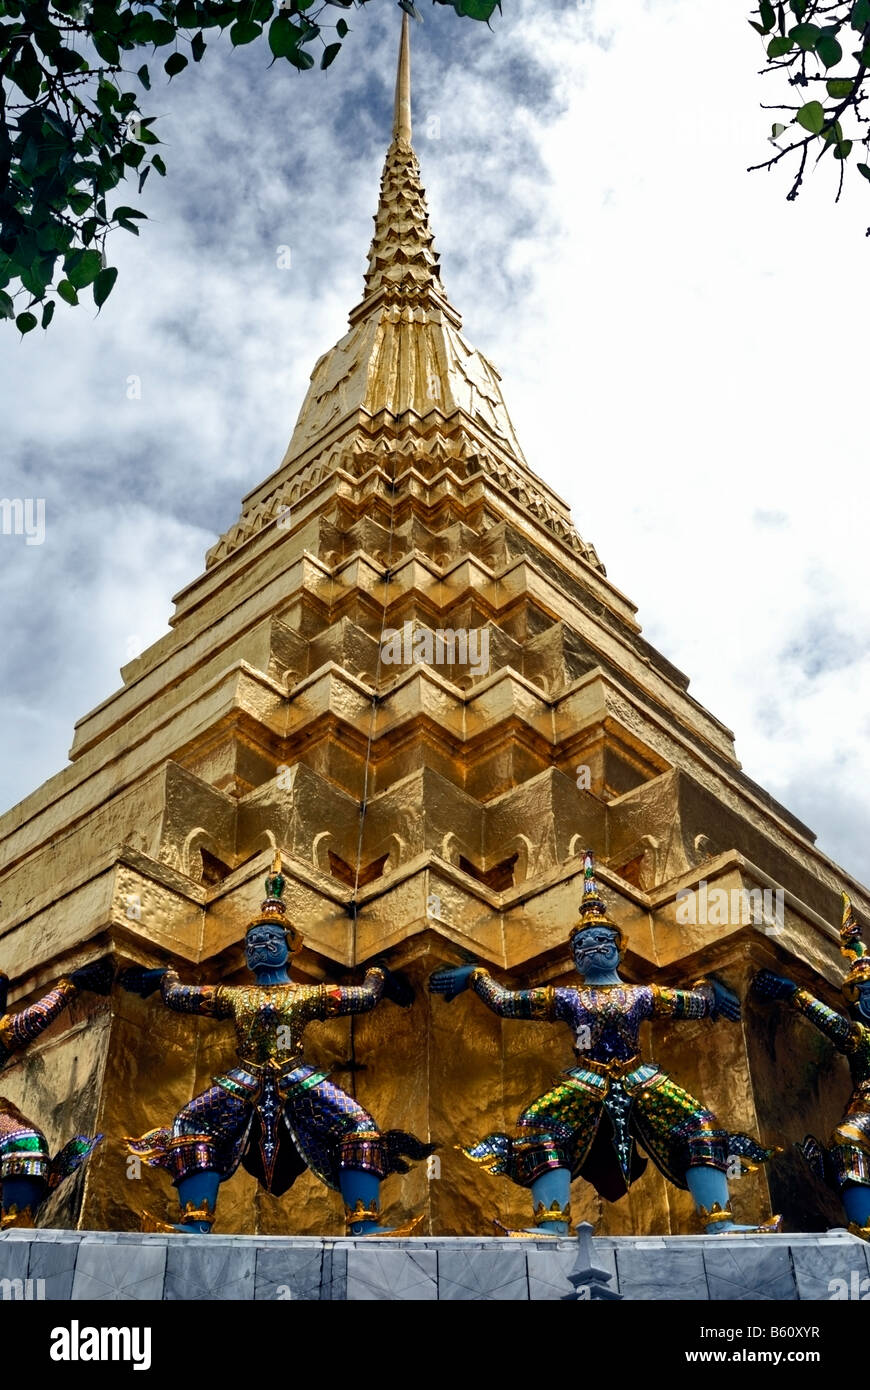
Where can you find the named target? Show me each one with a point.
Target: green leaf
(197, 46)
(798, 7)
(244, 31)
(779, 46)
(124, 218)
(330, 53)
(26, 322)
(284, 36)
(144, 77)
(141, 27)
(776, 130)
(67, 292)
(159, 165)
(341, 28)
(862, 169)
(56, 122)
(261, 10)
(860, 14)
(811, 117)
(175, 63)
(475, 9)
(300, 59)
(7, 308)
(842, 150)
(106, 95)
(69, 61)
(104, 284)
(161, 32)
(806, 36)
(47, 313)
(864, 55)
(766, 15)
(106, 47)
(82, 268)
(839, 87)
(33, 281)
(46, 36)
(829, 51)
(26, 73)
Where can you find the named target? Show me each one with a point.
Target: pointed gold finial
(402, 117)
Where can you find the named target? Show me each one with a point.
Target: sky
(680, 349)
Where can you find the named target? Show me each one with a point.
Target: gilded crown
(593, 909)
(273, 909)
(854, 949)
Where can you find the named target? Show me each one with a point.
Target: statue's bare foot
(722, 1228)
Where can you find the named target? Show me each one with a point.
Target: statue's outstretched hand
(766, 985)
(397, 987)
(451, 980)
(726, 1003)
(137, 980)
(98, 978)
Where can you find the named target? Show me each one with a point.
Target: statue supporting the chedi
(27, 1171)
(844, 1163)
(273, 1113)
(612, 1107)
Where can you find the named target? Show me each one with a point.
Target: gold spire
(404, 364)
(404, 352)
(403, 263)
(402, 116)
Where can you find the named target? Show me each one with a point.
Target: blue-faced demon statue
(612, 1108)
(273, 1113)
(844, 1163)
(27, 1171)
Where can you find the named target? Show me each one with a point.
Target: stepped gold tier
(423, 808)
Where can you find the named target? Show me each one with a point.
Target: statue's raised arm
(706, 999)
(451, 980)
(181, 998)
(380, 983)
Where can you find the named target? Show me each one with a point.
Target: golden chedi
(404, 669)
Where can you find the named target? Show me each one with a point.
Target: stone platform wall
(83, 1265)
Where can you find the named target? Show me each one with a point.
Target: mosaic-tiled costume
(273, 1113)
(844, 1162)
(613, 1108)
(27, 1171)
(594, 1121)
